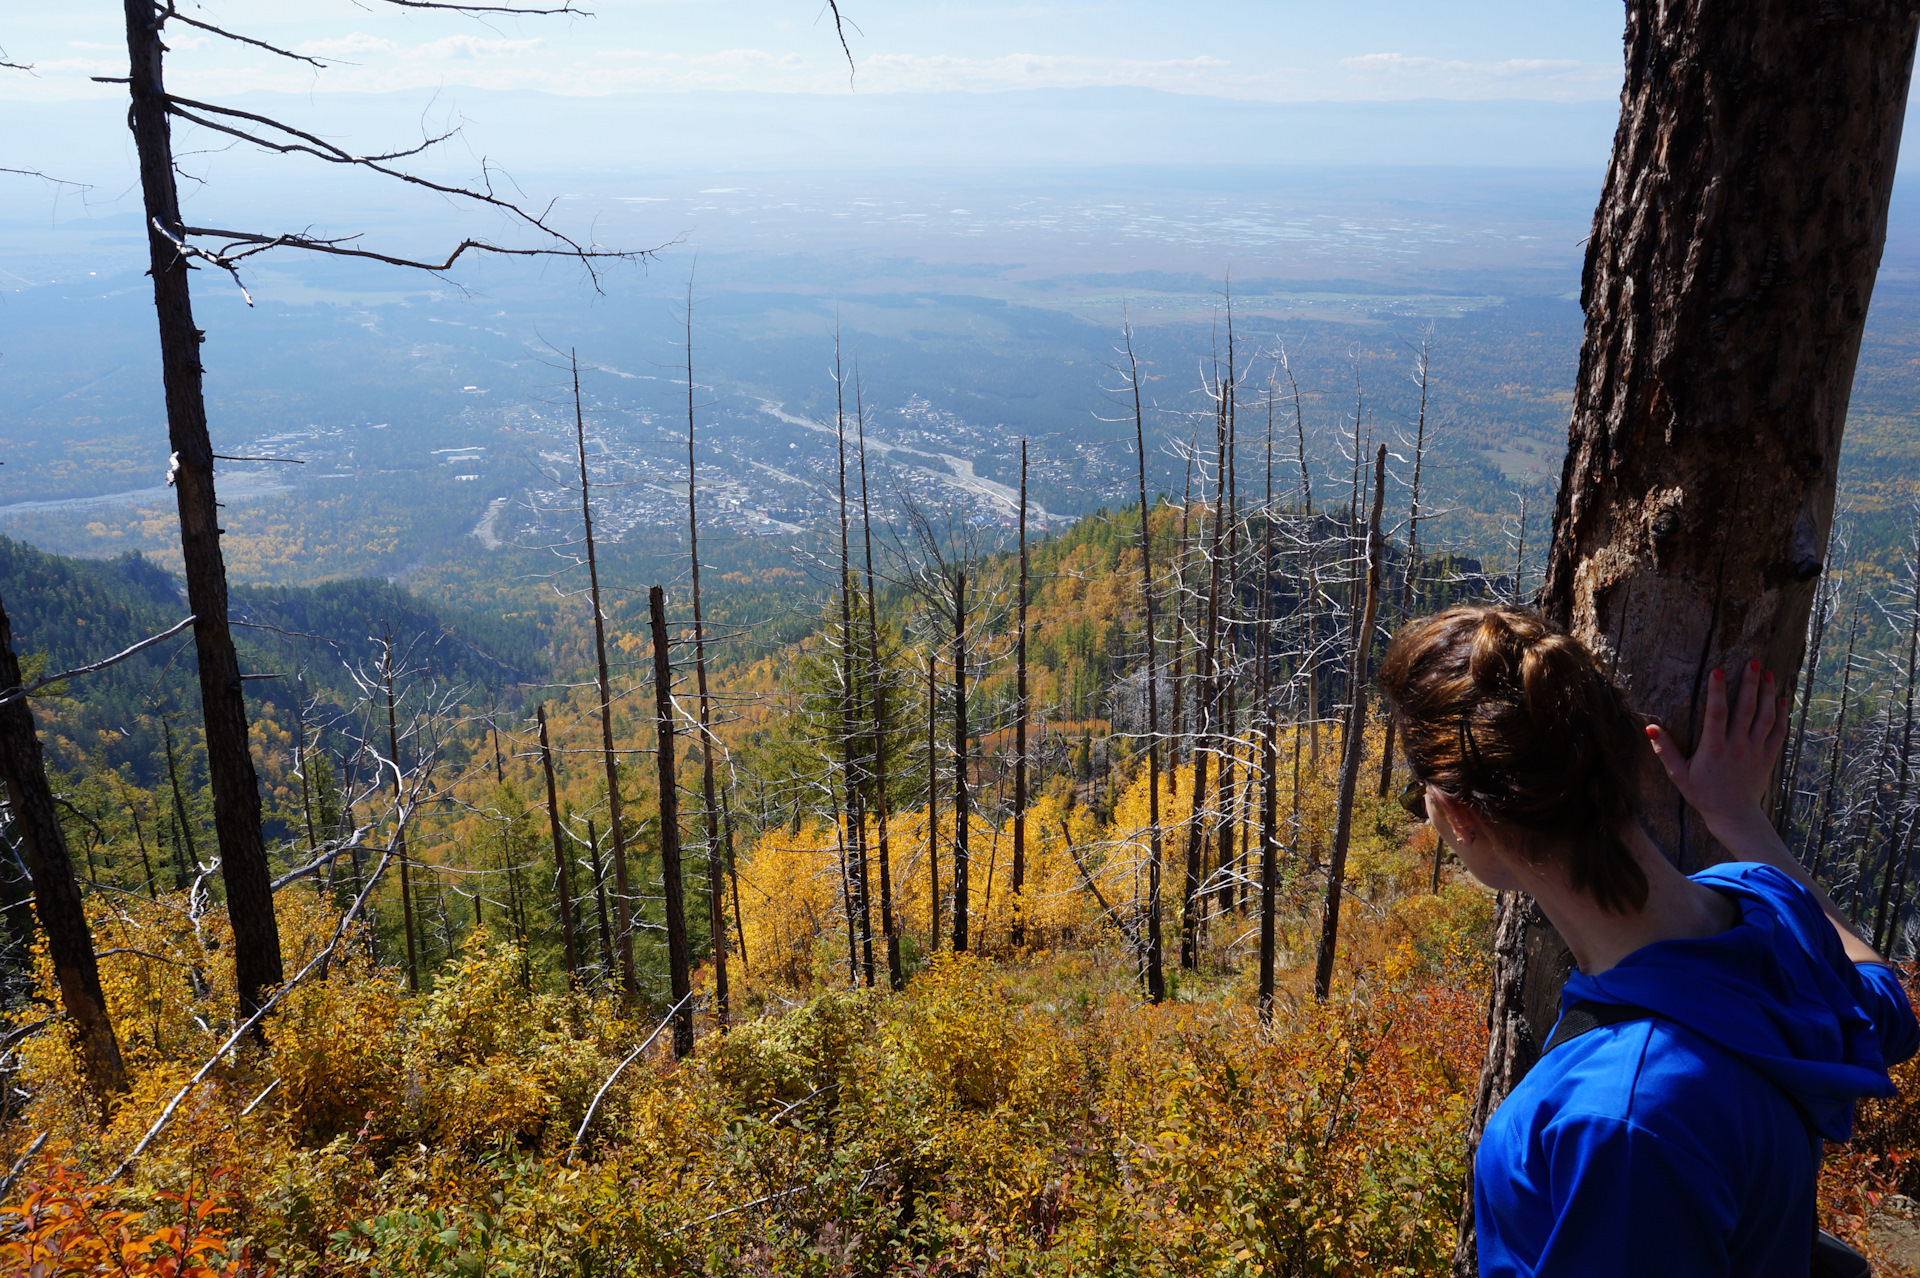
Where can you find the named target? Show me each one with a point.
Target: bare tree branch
(493, 8)
(170, 13)
(840, 29)
(14, 694)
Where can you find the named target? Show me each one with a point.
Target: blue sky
(1276, 50)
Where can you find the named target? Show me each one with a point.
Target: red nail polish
(1754, 664)
(1718, 673)
(1768, 676)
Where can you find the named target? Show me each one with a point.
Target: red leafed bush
(64, 1227)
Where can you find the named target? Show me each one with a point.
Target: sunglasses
(1413, 798)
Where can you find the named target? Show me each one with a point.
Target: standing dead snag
(677, 964)
(563, 886)
(1269, 751)
(1407, 578)
(1726, 286)
(236, 788)
(1208, 692)
(716, 869)
(399, 811)
(850, 696)
(172, 247)
(896, 975)
(1355, 739)
(1226, 833)
(600, 901)
(933, 805)
(960, 760)
(1815, 856)
(1019, 936)
(56, 894)
(616, 827)
(1156, 852)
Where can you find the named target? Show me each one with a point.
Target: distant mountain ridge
(68, 612)
(530, 132)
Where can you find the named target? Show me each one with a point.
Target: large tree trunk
(1726, 286)
(23, 776)
(236, 792)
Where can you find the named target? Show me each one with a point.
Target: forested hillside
(872, 765)
(479, 1079)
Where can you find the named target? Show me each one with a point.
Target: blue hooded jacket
(1687, 1144)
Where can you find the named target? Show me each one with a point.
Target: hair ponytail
(1503, 712)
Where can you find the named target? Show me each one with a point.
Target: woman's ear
(1452, 816)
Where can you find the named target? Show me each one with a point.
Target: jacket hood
(1773, 990)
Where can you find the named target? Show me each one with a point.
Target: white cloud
(360, 45)
(1401, 75)
(352, 44)
(471, 48)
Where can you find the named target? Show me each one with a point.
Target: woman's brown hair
(1515, 718)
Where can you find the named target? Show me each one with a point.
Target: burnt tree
(1726, 286)
(236, 789)
(173, 249)
(56, 894)
(670, 876)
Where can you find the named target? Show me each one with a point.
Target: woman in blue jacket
(1737, 1015)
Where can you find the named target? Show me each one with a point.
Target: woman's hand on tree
(1727, 778)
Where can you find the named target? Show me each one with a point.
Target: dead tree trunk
(716, 868)
(1311, 600)
(236, 790)
(1354, 735)
(960, 758)
(670, 879)
(1835, 753)
(1784, 803)
(399, 815)
(1407, 601)
(599, 900)
(1726, 286)
(1156, 852)
(562, 885)
(1269, 753)
(1019, 936)
(860, 902)
(616, 826)
(933, 805)
(876, 687)
(56, 894)
(1207, 711)
(1227, 834)
(184, 842)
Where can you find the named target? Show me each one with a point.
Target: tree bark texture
(236, 792)
(1726, 287)
(56, 893)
